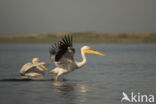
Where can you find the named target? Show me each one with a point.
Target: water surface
(128, 68)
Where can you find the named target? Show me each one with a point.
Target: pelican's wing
(62, 53)
(26, 67)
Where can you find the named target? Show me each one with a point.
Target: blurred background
(106, 21)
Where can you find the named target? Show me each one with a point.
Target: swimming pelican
(62, 54)
(34, 69)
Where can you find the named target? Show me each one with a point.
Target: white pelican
(62, 54)
(34, 69)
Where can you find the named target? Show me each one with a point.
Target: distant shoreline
(81, 37)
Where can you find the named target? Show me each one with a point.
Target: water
(128, 68)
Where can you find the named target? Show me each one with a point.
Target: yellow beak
(44, 67)
(89, 51)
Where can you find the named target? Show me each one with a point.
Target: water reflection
(71, 93)
(65, 92)
(63, 86)
(84, 88)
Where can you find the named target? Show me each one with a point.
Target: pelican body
(62, 54)
(34, 69)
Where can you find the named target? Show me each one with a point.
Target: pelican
(34, 69)
(62, 54)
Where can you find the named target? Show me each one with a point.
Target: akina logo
(137, 97)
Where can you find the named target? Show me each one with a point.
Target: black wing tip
(66, 41)
(61, 47)
(68, 37)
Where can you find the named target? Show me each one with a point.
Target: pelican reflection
(65, 91)
(72, 93)
(63, 86)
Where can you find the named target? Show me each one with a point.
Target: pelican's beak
(90, 51)
(44, 67)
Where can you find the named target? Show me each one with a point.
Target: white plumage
(34, 69)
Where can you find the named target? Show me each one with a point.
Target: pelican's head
(37, 61)
(87, 49)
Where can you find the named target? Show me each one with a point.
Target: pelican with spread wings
(62, 54)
